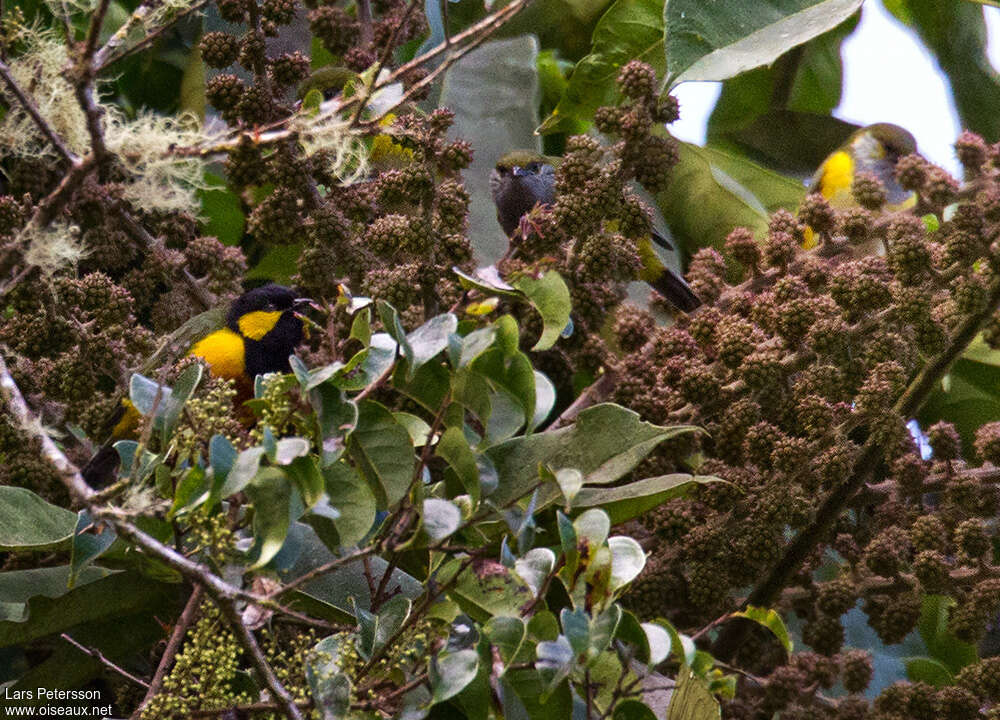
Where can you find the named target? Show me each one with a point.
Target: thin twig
(41, 123)
(596, 392)
(99, 656)
(375, 384)
(96, 21)
(265, 673)
(23, 417)
(173, 645)
(365, 18)
(105, 57)
(320, 571)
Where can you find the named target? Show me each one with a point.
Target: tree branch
(796, 552)
(41, 123)
(173, 645)
(23, 417)
(99, 656)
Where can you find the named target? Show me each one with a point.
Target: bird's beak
(518, 171)
(303, 302)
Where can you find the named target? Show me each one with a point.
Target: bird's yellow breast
(223, 351)
(258, 323)
(837, 175)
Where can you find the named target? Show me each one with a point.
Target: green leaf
(221, 457)
(333, 594)
(627, 560)
(87, 546)
(625, 502)
(430, 339)
(192, 97)
(771, 620)
(767, 138)
(417, 427)
(29, 523)
(439, 519)
(271, 494)
(691, 699)
(17, 587)
(633, 710)
(970, 397)
(928, 670)
(720, 40)
(555, 661)
(146, 394)
(243, 471)
(535, 567)
(193, 489)
(288, 449)
(361, 326)
(606, 437)
(354, 499)
(454, 449)
(337, 417)
(955, 32)
(659, 641)
(331, 689)
(570, 481)
(602, 630)
(369, 364)
(941, 644)
(680, 644)
(549, 295)
(773, 190)
(702, 203)
(545, 400)
(307, 479)
(183, 389)
(630, 29)
(221, 210)
(451, 673)
(485, 590)
(383, 451)
(508, 635)
(114, 596)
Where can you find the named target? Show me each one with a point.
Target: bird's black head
(520, 180)
(266, 299)
(266, 319)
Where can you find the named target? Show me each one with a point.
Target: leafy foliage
(494, 491)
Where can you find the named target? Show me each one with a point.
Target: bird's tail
(674, 288)
(664, 280)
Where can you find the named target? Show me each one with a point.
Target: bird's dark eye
(503, 170)
(532, 167)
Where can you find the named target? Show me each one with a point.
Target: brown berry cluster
(73, 336)
(397, 235)
(804, 367)
(593, 232)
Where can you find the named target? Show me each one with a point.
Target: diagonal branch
(18, 408)
(41, 123)
(765, 593)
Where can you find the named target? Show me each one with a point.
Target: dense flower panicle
(811, 352)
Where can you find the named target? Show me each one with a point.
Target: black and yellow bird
(874, 149)
(523, 179)
(261, 331)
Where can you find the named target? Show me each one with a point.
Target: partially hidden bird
(524, 178)
(873, 149)
(262, 329)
